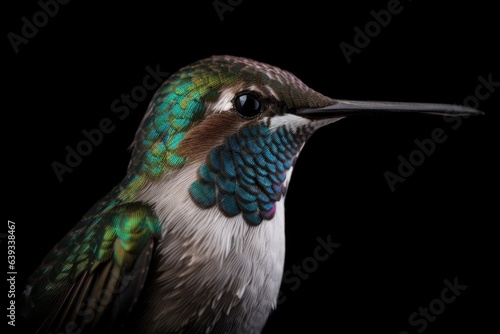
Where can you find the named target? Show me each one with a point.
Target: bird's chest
(216, 274)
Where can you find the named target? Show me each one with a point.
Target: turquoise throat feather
(246, 173)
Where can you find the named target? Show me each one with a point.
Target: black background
(396, 247)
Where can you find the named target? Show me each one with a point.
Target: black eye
(247, 105)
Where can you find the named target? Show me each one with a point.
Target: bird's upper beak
(343, 108)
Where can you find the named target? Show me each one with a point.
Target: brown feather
(205, 136)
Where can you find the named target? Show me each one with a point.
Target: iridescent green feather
(177, 105)
(114, 236)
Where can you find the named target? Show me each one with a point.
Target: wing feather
(94, 276)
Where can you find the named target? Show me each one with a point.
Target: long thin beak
(344, 108)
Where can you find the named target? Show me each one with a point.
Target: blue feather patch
(245, 174)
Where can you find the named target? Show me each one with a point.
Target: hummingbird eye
(247, 105)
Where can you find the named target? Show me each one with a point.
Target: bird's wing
(94, 275)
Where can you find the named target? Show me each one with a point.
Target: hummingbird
(193, 239)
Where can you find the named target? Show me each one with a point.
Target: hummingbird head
(242, 123)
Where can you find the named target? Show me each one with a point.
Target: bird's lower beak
(343, 108)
